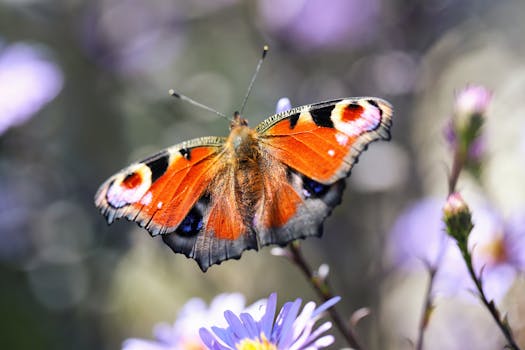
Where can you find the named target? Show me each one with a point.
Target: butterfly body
(212, 198)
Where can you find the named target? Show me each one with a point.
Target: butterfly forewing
(159, 192)
(323, 140)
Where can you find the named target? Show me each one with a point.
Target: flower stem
(494, 312)
(323, 291)
(457, 164)
(428, 307)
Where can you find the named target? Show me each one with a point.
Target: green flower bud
(457, 218)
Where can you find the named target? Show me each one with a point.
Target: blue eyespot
(192, 223)
(314, 188)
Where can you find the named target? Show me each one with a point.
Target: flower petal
(266, 322)
(225, 336)
(236, 325)
(326, 305)
(286, 331)
(250, 325)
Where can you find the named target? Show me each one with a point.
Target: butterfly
(211, 198)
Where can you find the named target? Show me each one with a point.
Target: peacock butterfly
(211, 198)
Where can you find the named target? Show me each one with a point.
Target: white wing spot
(341, 138)
(159, 205)
(146, 200)
(331, 152)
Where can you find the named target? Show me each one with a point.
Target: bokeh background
(83, 92)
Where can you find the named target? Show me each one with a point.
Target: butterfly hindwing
(294, 207)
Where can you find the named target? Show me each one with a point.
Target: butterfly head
(237, 121)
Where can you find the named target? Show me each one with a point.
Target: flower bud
(473, 100)
(470, 107)
(283, 104)
(457, 218)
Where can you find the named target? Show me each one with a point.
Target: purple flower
(418, 240)
(498, 248)
(283, 105)
(290, 330)
(418, 235)
(28, 81)
(184, 332)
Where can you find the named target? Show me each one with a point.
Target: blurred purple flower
(418, 235)
(418, 240)
(28, 81)
(514, 239)
(473, 99)
(184, 332)
(283, 105)
(316, 23)
(290, 330)
(498, 248)
(135, 37)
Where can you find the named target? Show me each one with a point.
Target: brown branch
(324, 292)
(428, 307)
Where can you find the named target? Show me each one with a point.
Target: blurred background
(83, 92)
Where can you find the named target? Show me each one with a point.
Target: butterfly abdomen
(244, 170)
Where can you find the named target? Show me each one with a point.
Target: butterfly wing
(315, 146)
(169, 193)
(211, 210)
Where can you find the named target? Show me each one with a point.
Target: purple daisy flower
(290, 330)
(184, 332)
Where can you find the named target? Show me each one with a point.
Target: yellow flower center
(495, 251)
(256, 344)
(192, 343)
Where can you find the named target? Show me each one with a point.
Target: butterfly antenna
(195, 103)
(265, 51)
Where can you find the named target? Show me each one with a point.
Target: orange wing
(159, 192)
(310, 150)
(322, 141)
(171, 193)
